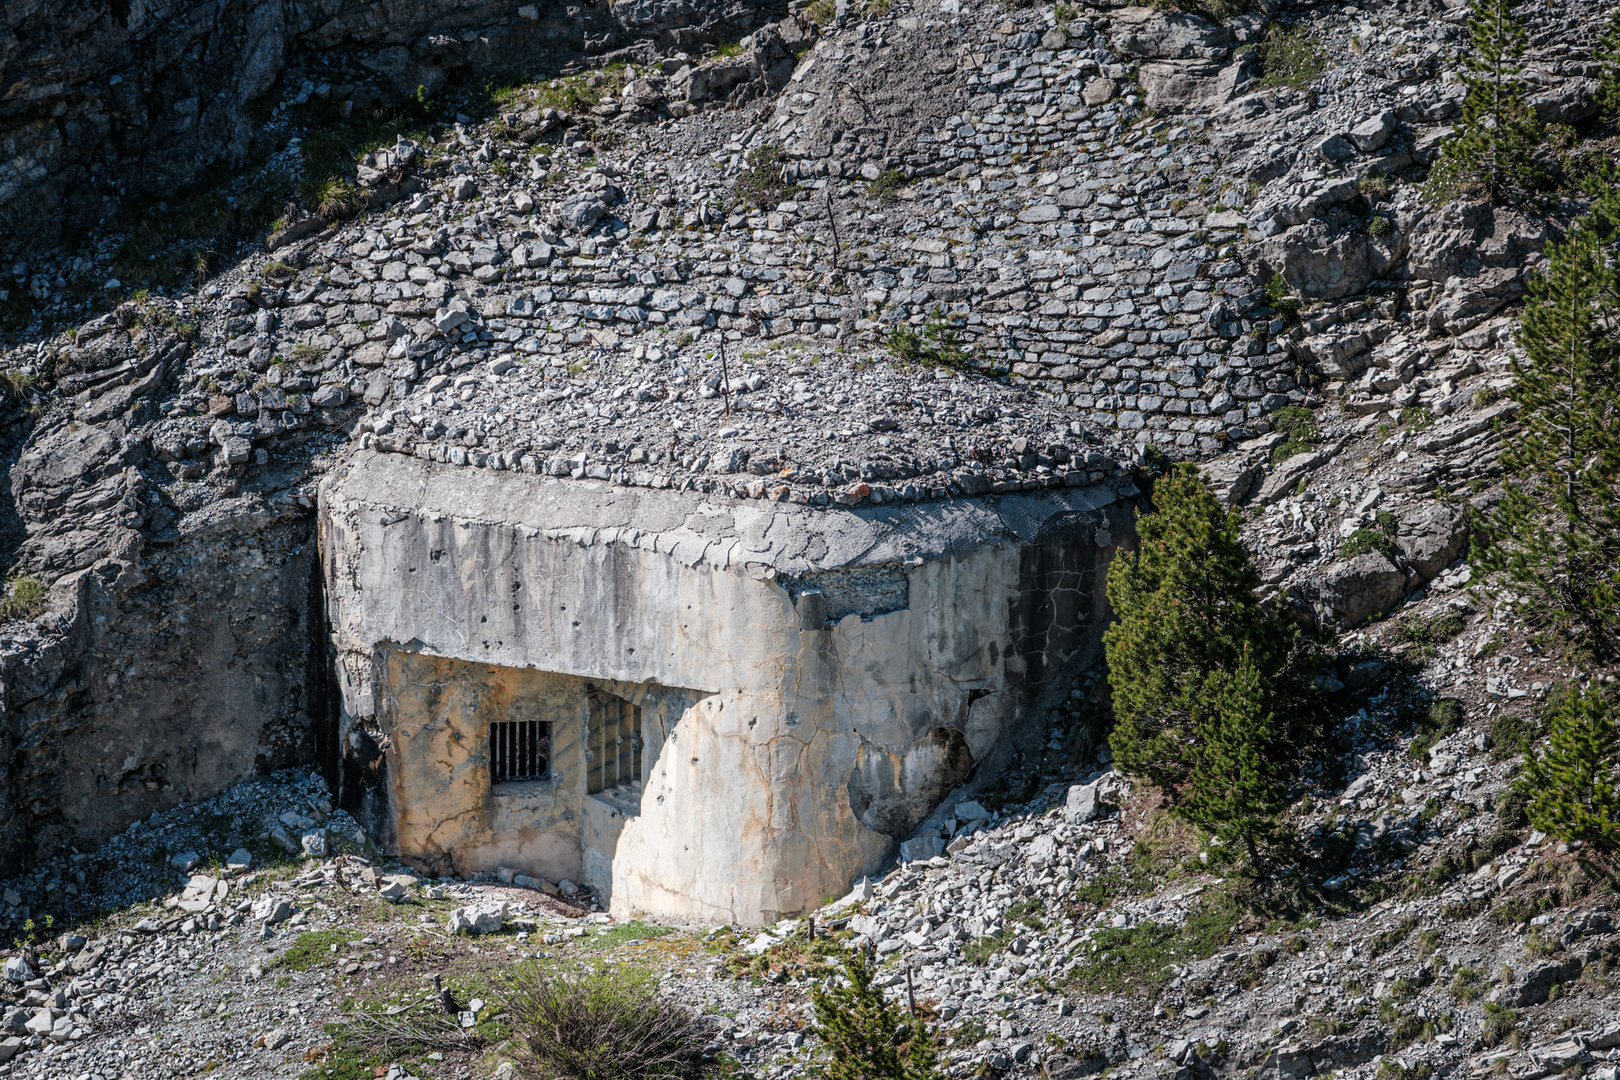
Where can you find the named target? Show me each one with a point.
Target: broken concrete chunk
(477, 919)
(271, 910)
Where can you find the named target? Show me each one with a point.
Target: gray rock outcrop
(104, 104)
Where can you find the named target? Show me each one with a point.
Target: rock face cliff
(105, 102)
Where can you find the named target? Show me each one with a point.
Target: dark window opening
(613, 743)
(519, 750)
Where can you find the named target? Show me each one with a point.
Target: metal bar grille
(613, 743)
(519, 750)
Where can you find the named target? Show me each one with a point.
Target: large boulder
(1231, 480)
(771, 59)
(1178, 84)
(485, 918)
(1154, 33)
(1461, 239)
(1569, 103)
(1534, 985)
(1431, 537)
(1358, 588)
(1184, 57)
(711, 81)
(1468, 301)
(1087, 801)
(1319, 263)
(579, 212)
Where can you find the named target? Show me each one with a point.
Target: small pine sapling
(1556, 531)
(864, 1035)
(1492, 147)
(1186, 609)
(1570, 786)
(1236, 791)
(1609, 69)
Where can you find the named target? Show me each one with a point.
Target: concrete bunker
(698, 707)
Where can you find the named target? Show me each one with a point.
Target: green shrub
(314, 948)
(887, 185)
(1512, 735)
(821, 12)
(334, 199)
(1444, 717)
(1467, 985)
(1383, 942)
(1196, 666)
(1417, 417)
(1556, 530)
(1516, 910)
(634, 930)
(1512, 808)
(1279, 299)
(1431, 630)
(1499, 1024)
(1299, 424)
(1608, 55)
(1390, 1069)
(276, 270)
(760, 184)
(1379, 537)
(1138, 957)
(603, 1022)
(1491, 148)
(937, 343)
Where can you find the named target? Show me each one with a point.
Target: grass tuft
(24, 597)
(1292, 58)
(603, 1022)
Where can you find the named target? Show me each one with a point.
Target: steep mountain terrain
(913, 252)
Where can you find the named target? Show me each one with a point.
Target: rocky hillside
(853, 256)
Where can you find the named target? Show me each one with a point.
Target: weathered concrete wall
(815, 745)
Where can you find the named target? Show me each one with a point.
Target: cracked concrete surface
(812, 747)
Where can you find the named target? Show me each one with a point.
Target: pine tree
(1492, 147)
(1609, 73)
(1571, 785)
(1556, 530)
(865, 1035)
(1186, 610)
(1235, 791)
